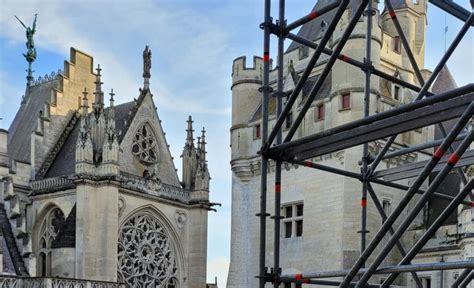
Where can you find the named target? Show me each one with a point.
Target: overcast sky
(193, 44)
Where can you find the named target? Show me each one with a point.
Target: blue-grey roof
(64, 163)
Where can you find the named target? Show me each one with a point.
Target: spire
(112, 94)
(111, 115)
(99, 95)
(85, 103)
(199, 144)
(202, 149)
(189, 132)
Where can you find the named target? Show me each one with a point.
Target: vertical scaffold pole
(365, 147)
(263, 188)
(279, 95)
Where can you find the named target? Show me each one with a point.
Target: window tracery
(48, 232)
(146, 255)
(144, 145)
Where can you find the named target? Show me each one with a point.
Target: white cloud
(218, 267)
(190, 70)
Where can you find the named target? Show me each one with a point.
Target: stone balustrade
(11, 281)
(154, 187)
(52, 184)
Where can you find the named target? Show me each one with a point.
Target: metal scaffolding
(426, 109)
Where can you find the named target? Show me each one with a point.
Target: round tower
(245, 100)
(412, 18)
(347, 99)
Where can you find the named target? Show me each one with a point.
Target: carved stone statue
(146, 62)
(30, 43)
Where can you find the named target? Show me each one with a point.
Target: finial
(112, 94)
(146, 67)
(99, 95)
(189, 132)
(98, 69)
(203, 144)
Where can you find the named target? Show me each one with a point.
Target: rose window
(144, 145)
(145, 254)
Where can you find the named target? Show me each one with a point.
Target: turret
(412, 18)
(98, 122)
(110, 149)
(245, 100)
(189, 157)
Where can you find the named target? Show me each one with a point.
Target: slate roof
(25, 122)
(64, 163)
(445, 81)
(312, 30)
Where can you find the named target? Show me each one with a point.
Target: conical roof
(445, 81)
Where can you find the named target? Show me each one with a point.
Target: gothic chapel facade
(91, 192)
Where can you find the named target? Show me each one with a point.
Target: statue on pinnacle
(146, 67)
(30, 46)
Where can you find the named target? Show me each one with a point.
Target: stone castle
(89, 193)
(321, 210)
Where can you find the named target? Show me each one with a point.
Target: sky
(194, 43)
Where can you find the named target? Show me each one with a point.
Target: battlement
(240, 71)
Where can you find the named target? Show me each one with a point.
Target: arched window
(49, 230)
(146, 254)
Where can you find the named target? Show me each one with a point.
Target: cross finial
(98, 69)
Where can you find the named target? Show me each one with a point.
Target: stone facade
(91, 192)
(321, 210)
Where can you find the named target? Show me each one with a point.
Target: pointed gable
(130, 161)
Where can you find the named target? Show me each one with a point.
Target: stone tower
(321, 210)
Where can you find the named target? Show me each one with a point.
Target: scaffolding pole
(266, 89)
(423, 111)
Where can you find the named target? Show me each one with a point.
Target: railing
(154, 187)
(51, 184)
(7, 281)
(149, 186)
(46, 78)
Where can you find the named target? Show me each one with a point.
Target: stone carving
(121, 205)
(180, 217)
(146, 62)
(30, 43)
(144, 145)
(146, 256)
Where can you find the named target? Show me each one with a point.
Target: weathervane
(146, 67)
(31, 50)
